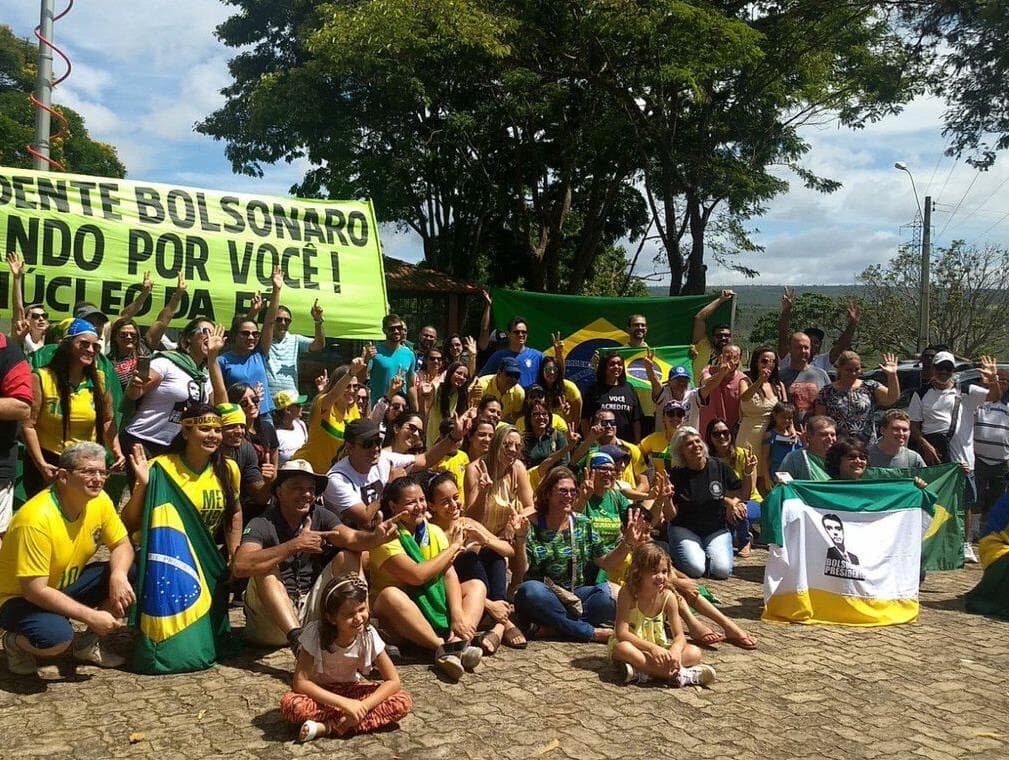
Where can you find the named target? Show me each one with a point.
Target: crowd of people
(455, 496)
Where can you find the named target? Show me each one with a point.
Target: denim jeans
(487, 566)
(538, 604)
(743, 527)
(693, 554)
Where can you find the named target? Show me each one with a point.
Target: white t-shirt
(821, 361)
(282, 364)
(160, 409)
(341, 664)
(348, 487)
(690, 398)
(934, 411)
(290, 441)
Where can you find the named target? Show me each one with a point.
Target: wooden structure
(423, 296)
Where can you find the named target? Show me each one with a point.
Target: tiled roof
(403, 277)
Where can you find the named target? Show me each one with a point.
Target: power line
(993, 226)
(948, 175)
(934, 169)
(959, 203)
(985, 201)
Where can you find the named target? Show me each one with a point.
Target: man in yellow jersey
(504, 386)
(45, 578)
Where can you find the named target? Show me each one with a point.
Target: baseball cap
(510, 366)
(678, 371)
(500, 336)
(600, 459)
(674, 406)
(613, 451)
(285, 398)
(361, 431)
(815, 332)
(943, 357)
(294, 467)
(90, 312)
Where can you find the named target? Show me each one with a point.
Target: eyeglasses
(567, 491)
(249, 333)
(284, 320)
(607, 469)
(856, 457)
(92, 472)
(39, 315)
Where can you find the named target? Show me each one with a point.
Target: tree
(808, 310)
(77, 152)
(967, 300)
(516, 137)
(964, 44)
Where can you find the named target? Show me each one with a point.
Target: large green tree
(77, 152)
(521, 140)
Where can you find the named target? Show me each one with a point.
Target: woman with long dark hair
(611, 391)
(197, 465)
(563, 396)
(71, 404)
(758, 393)
(452, 398)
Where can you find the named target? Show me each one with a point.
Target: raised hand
(322, 381)
(256, 304)
(889, 364)
(316, 311)
(589, 483)
(475, 394)
(558, 344)
(396, 384)
(484, 480)
(750, 462)
(370, 352)
(259, 391)
(788, 299)
(16, 264)
(988, 369)
(469, 344)
(648, 359)
(20, 329)
(853, 311)
(693, 352)
(278, 278)
(358, 365)
(215, 339)
(181, 285)
(141, 469)
(148, 283)
(594, 361)
(307, 542)
(486, 297)
(727, 294)
(595, 432)
(269, 471)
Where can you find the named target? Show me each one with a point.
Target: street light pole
(44, 86)
(926, 251)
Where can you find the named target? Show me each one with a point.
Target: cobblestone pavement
(932, 689)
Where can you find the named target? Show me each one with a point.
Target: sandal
(488, 642)
(310, 729)
(710, 638)
(513, 638)
(746, 641)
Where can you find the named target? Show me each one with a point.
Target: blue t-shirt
(386, 365)
(282, 368)
(529, 362)
(781, 446)
(250, 370)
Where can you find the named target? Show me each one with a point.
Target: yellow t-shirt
(49, 426)
(202, 488)
(556, 422)
(379, 579)
(456, 464)
(511, 400)
(656, 446)
(325, 437)
(41, 542)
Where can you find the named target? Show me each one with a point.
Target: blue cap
(680, 371)
(510, 366)
(600, 459)
(81, 327)
(613, 451)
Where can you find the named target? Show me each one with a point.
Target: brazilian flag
(182, 598)
(664, 358)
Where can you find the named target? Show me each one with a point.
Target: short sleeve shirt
(348, 487)
(620, 399)
(852, 410)
(529, 360)
(549, 552)
(699, 496)
(282, 366)
(386, 364)
(159, 411)
(803, 388)
(341, 665)
(433, 543)
(300, 571)
(250, 370)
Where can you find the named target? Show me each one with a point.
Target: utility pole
(926, 251)
(44, 86)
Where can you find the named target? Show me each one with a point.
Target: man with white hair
(47, 578)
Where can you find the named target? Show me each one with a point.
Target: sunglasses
(39, 315)
(374, 443)
(129, 335)
(608, 423)
(413, 428)
(249, 333)
(567, 491)
(435, 359)
(520, 332)
(284, 320)
(254, 401)
(720, 434)
(395, 328)
(676, 413)
(89, 346)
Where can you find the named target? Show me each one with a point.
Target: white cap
(943, 356)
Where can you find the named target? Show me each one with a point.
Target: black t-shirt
(699, 496)
(298, 572)
(619, 399)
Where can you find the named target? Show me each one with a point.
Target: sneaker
(625, 673)
(471, 657)
(19, 661)
(92, 650)
(699, 675)
(448, 664)
(968, 554)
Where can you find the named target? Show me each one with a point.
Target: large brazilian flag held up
(182, 598)
(844, 552)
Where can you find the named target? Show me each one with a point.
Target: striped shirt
(991, 432)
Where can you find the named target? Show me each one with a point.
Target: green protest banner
(92, 238)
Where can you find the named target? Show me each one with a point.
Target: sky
(145, 72)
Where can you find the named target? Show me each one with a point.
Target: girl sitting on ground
(329, 693)
(640, 647)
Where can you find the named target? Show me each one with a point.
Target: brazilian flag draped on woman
(182, 595)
